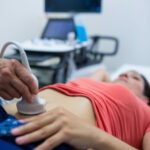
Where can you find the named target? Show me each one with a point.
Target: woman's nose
(124, 75)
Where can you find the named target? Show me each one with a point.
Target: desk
(51, 46)
(38, 53)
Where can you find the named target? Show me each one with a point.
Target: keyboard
(44, 45)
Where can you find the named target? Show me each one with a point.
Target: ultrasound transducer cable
(38, 105)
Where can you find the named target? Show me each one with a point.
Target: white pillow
(144, 70)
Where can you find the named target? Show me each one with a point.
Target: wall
(128, 20)
(21, 19)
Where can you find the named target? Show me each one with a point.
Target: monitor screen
(73, 6)
(58, 28)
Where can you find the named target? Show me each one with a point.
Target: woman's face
(133, 81)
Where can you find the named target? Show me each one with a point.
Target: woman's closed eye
(136, 78)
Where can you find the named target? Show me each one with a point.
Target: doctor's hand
(57, 126)
(16, 81)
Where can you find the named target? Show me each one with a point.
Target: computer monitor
(58, 28)
(76, 6)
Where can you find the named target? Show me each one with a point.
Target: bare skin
(131, 80)
(74, 128)
(80, 106)
(134, 82)
(15, 77)
(59, 106)
(65, 125)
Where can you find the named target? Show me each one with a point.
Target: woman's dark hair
(146, 89)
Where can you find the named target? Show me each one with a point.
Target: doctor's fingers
(34, 125)
(58, 115)
(5, 95)
(40, 134)
(12, 91)
(7, 91)
(25, 76)
(52, 142)
(22, 89)
(8, 76)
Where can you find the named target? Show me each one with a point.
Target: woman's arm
(100, 75)
(146, 141)
(60, 126)
(105, 141)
